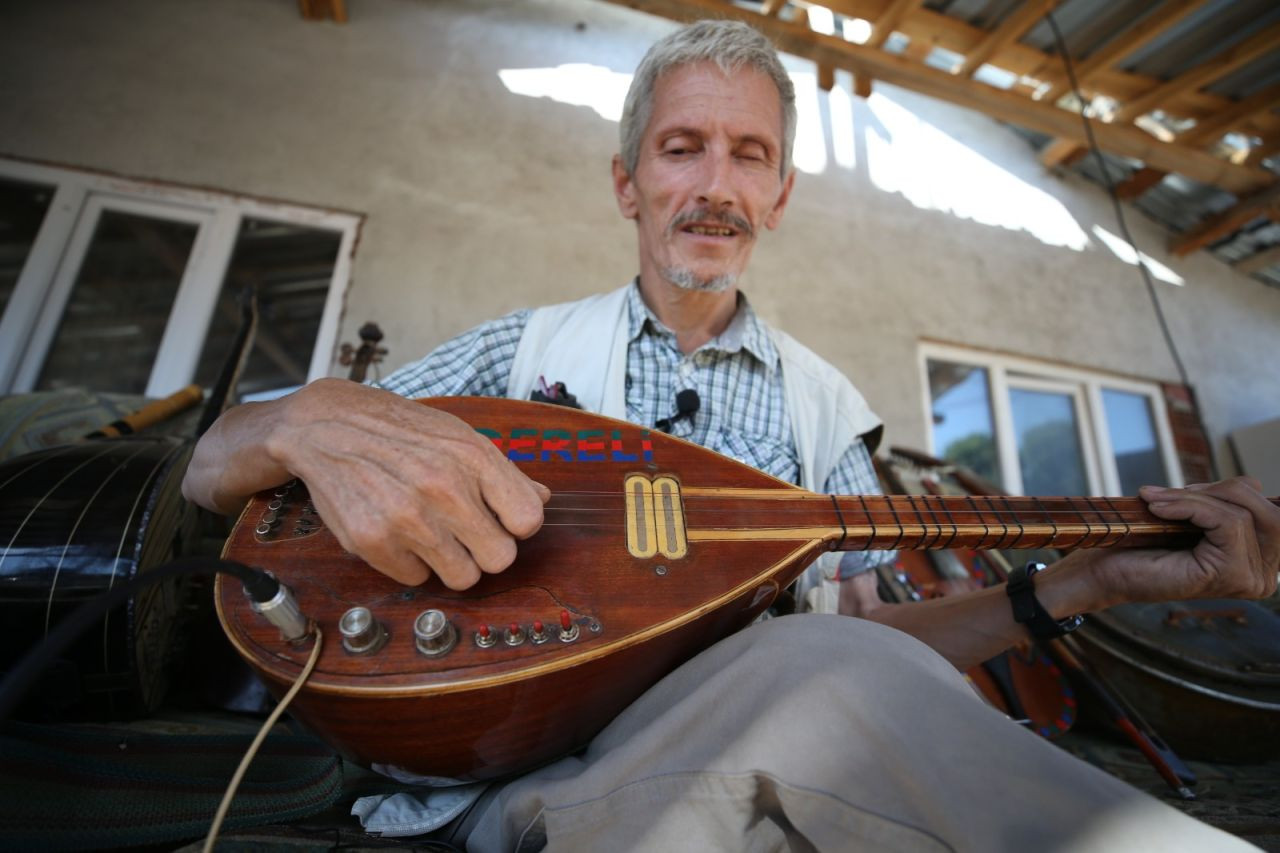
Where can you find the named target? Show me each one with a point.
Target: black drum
(76, 521)
(1205, 674)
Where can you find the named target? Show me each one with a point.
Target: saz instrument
(1021, 682)
(652, 549)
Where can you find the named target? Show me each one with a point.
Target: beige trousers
(825, 733)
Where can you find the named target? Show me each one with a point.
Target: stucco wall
(479, 201)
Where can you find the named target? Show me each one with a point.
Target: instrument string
(893, 510)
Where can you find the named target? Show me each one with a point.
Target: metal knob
(434, 635)
(362, 634)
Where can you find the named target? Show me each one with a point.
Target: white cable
(257, 742)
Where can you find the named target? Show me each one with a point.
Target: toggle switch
(514, 635)
(568, 630)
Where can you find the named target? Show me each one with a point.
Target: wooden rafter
(1202, 75)
(318, 10)
(1258, 153)
(826, 71)
(773, 7)
(1260, 261)
(1204, 133)
(1139, 182)
(1123, 140)
(1263, 203)
(1122, 45)
(1010, 30)
(1211, 129)
(1061, 152)
(888, 20)
(926, 25)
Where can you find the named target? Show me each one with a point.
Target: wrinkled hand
(409, 489)
(1238, 557)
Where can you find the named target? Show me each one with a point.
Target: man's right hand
(407, 488)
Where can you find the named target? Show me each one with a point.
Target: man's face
(708, 176)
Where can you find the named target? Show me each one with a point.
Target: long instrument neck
(925, 522)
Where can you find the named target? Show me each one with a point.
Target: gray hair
(730, 45)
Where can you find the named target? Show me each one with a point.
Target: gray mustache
(728, 220)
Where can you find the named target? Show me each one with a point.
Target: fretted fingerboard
(926, 522)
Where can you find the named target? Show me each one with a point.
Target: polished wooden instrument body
(651, 550)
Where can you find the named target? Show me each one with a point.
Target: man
(811, 732)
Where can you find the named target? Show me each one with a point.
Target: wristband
(1027, 609)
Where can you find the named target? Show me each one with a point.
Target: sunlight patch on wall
(843, 145)
(1122, 250)
(576, 83)
(810, 152)
(935, 172)
(904, 154)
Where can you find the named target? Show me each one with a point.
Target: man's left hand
(1239, 556)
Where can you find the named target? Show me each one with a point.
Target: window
(135, 287)
(1039, 429)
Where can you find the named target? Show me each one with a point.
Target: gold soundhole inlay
(655, 517)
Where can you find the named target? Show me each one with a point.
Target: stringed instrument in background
(651, 550)
(1021, 682)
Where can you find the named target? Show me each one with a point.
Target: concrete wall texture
(912, 220)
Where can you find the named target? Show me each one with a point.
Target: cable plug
(276, 603)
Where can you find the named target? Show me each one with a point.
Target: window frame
(40, 294)
(1086, 386)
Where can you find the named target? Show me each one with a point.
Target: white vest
(825, 410)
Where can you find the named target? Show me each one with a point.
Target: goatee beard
(685, 279)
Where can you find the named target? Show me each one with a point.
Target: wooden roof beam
(1203, 134)
(926, 25)
(888, 20)
(1203, 74)
(1010, 30)
(1257, 262)
(1122, 140)
(773, 7)
(1125, 43)
(318, 10)
(1061, 152)
(1139, 182)
(1263, 203)
(1211, 129)
(826, 71)
(1258, 153)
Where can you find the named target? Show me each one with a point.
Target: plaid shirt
(737, 375)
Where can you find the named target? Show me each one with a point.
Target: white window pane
(1131, 427)
(111, 328)
(1048, 440)
(963, 429)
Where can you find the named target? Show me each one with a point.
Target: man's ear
(775, 216)
(623, 189)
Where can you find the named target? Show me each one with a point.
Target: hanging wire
(1115, 200)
